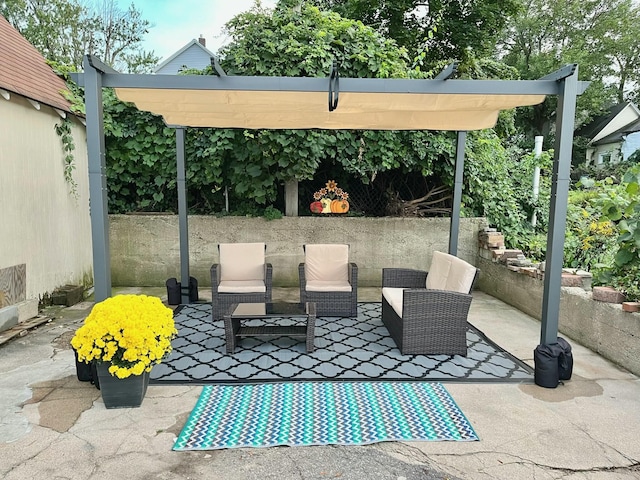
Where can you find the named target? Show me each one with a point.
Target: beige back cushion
(242, 261)
(326, 262)
(450, 273)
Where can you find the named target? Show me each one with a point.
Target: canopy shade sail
(257, 109)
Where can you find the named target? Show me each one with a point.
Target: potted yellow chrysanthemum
(125, 335)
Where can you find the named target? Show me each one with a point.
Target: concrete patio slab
(53, 426)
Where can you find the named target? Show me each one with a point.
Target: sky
(176, 23)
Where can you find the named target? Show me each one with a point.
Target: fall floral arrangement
(330, 199)
(133, 332)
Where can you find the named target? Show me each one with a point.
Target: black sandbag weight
(565, 360)
(174, 295)
(553, 362)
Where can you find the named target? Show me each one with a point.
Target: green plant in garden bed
(590, 239)
(623, 209)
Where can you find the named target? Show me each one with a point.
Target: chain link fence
(392, 193)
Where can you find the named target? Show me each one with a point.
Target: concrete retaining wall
(145, 248)
(601, 327)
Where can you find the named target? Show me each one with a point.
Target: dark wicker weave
(434, 322)
(221, 302)
(332, 304)
(234, 330)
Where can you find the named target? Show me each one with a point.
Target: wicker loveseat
(426, 313)
(329, 279)
(242, 276)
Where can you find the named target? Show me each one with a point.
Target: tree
(306, 42)
(117, 37)
(443, 29)
(65, 30)
(601, 36)
(54, 27)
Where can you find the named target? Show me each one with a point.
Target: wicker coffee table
(234, 330)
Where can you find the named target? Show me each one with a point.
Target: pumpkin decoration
(331, 199)
(339, 206)
(316, 207)
(326, 205)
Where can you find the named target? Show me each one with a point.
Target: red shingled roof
(23, 70)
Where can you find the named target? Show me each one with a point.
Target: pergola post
(454, 227)
(98, 204)
(565, 119)
(183, 213)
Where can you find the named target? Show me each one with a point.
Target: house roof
(593, 129)
(182, 50)
(25, 72)
(618, 136)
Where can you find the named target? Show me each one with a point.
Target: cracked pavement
(53, 426)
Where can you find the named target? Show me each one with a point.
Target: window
(604, 159)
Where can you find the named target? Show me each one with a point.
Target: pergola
(223, 101)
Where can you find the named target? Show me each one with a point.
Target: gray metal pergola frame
(563, 83)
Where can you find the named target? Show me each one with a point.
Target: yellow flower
(331, 185)
(132, 332)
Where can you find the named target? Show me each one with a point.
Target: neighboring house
(45, 229)
(614, 136)
(193, 55)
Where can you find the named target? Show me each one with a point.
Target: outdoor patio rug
(322, 413)
(346, 349)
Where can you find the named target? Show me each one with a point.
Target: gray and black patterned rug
(346, 349)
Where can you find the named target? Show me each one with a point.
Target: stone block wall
(598, 325)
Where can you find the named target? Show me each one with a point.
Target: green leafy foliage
(590, 237)
(435, 29)
(63, 129)
(272, 213)
(609, 231)
(500, 187)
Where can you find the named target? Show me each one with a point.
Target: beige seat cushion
(451, 273)
(394, 297)
(242, 261)
(327, 263)
(242, 286)
(327, 286)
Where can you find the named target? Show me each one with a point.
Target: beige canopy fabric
(301, 110)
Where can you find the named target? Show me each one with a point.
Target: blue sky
(177, 22)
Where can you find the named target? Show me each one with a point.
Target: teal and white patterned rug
(322, 413)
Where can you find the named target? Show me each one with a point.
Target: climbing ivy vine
(63, 129)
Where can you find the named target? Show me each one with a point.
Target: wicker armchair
(242, 276)
(426, 313)
(328, 279)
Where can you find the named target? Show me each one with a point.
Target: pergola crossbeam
(448, 72)
(561, 73)
(217, 68)
(347, 85)
(100, 66)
